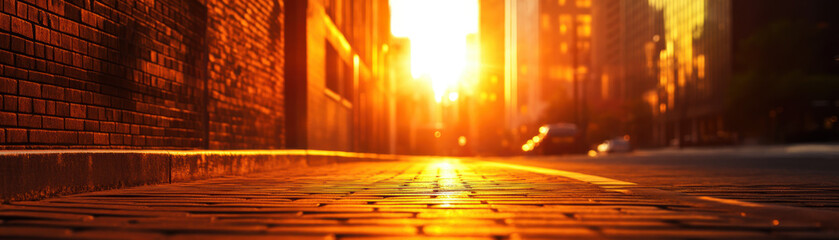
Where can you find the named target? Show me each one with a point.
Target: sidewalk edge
(39, 174)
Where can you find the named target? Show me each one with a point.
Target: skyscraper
(672, 55)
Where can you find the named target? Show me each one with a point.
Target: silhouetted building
(711, 72)
(627, 40)
(492, 134)
(565, 46)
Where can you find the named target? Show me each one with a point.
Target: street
(798, 175)
(418, 119)
(433, 198)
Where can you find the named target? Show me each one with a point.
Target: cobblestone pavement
(385, 200)
(792, 180)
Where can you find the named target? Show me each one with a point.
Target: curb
(39, 174)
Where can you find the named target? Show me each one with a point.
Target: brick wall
(141, 74)
(246, 74)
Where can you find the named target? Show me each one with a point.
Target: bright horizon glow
(437, 30)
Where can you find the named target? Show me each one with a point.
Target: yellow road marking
(597, 180)
(731, 202)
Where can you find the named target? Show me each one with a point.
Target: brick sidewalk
(401, 200)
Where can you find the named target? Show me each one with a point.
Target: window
(546, 21)
(339, 73)
(583, 3)
(564, 21)
(584, 25)
(333, 69)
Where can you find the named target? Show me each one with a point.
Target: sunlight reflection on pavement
(445, 198)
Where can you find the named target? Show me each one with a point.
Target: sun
(438, 32)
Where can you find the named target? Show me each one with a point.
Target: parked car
(615, 145)
(557, 138)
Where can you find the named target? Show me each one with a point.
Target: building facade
(142, 74)
(673, 55)
(338, 76)
(565, 42)
(195, 74)
(492, 136)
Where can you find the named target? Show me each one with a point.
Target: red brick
(6, 57)
(139, 141)
(29, 89)
(39, 106)
(40, 53)
(24, 105)
(116, 139)
(10, 103)
(16, 135)
(25, 62)
(73, 124)
(42, 4)
(99, 99)
(67, 137)
(50, 107)
(22, 27)
(53, 122)
(8, 119)
(97, 113)
(18, 44)
(42, 136)
(78, 111)
(90, 125)
(42, 34)
(124, 128)
(5, 22)
(86, 138)
(100, 139)
(62, 109)
(56, 7)
(8, 85)
(21, 10)
(74, 96)
(52, 92)
(33, 14)
(29, 120)
(9, 6)
(107, 127)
